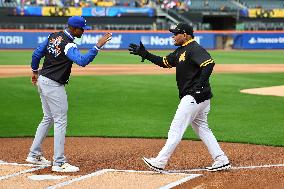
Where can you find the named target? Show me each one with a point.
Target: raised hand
(138, 50)
(105, 38)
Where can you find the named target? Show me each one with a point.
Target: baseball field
(120, 110)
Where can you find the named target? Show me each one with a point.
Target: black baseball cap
(183, 28)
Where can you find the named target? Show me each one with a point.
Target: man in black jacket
(194, 66)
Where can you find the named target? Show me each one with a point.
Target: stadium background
(235, 32)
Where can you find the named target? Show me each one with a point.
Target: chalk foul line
(234, 168)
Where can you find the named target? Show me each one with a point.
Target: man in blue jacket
(60, 52)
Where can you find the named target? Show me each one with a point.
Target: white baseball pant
(189, 112)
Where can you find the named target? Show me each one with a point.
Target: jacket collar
(68, 34)
(186, 43)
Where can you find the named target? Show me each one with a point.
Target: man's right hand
(138, 50)
(34, 78)
(102, 41)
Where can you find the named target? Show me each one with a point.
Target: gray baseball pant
(54, 105)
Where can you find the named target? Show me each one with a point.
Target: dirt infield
(116, 162)
(274, 91)
(92, 154)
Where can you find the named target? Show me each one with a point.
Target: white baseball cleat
(65, 168)
(39, 160)
(220, 163)
(153, 164)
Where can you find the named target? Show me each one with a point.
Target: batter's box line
(19, 164)
(259, 166)
(100, 172)
(97, 173)
(21, 172)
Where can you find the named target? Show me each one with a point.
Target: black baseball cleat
(221, 163)
(154, 165)
(219, 168)
(38, 160)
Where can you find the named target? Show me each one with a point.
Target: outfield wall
(29, 39)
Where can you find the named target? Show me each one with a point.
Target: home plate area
(13, 175)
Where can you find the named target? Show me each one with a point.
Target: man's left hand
(138, 50)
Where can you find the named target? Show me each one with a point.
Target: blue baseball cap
(78, 22)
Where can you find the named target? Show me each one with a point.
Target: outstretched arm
(73, 53)
(141, 51)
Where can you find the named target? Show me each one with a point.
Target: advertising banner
(27, 11)
(61, 11)
(120, 40)
(85, 11)
(263, 13)
(259, 41)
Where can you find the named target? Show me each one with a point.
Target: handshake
(138, 50)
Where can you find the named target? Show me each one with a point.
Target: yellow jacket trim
(205, 63)
(166, 62)
(189, 41)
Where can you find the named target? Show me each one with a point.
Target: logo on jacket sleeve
(53, 46)
(182, 57)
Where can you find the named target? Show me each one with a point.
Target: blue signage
(259, 41)
(263, 41)
(120, 40)
(34, 11)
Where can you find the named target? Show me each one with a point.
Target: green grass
(143, 106)
(248, 57)
(123, 57)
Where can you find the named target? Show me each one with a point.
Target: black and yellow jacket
(194, 66)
